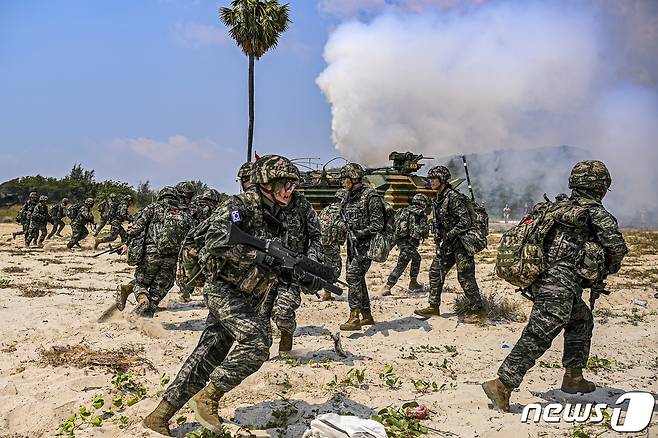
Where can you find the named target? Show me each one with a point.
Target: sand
(55, 298)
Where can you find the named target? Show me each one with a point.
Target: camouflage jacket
(564, 242)
(148, 216)
(57, 212)
(201, 210)
(121, 213)
(412, 224)
(85, 216)
(364, 213)
(301, 228)
(107, 209)
(40, 214)
(451, 216)
(25, 213)
(332, 226)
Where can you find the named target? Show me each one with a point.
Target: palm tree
(255, 25)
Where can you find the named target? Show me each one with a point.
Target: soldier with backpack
(153, 240)
(558, 249)
(238, 280)
(363, 212)
(58, 213)
(80, 214)
(24, 215)
(38, 220)
(106, 208)
(116, 220)
(457, 240)
(334, 234)
(411, 226)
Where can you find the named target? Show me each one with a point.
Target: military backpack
(382, 242)
(73, 210)
(170, 229)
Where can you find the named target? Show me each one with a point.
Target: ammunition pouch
(136, 250)
(590, 261)
(250, 279)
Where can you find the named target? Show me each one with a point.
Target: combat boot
(498, 393)
(574, 382)
(386, 290)
(123, 291)
(285, 342)
(143, 305)
(205, 404)
(158, 420)
(353, 323)
(326, 296)
(414, 286)
(428, 311)
(366, 318)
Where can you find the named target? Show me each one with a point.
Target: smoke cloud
(443, 78)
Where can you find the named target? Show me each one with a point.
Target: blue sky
(152, 89)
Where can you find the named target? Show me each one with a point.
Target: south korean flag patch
(235, 216)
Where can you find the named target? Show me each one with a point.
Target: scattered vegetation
(281, 417)
(13, 270)
(354, 377)
(544, 364)
(496, 307)
(596, 364)
(425, 386)
(389, 377)
(82, 355)
(399, 423)
(288, 359)
(4, 283)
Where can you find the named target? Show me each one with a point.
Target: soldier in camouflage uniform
(116, 220)
(363, 212)
(155, 273)
(334, 234)
(411, 228)
(452, 219)
(244, 175)
(58, 213)
(301, 233)
(38, 220)
(237, 337)
(79, 222)
(106, 209)
(557, 303)
(24, 215)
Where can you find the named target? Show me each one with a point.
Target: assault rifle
(350, 233)
(302, 268)
(110, 250)
(595, 291)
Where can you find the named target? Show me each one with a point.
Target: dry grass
(8, 214)
(496, 307)
(81, 356)
(642, 243)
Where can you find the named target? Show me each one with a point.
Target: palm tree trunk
(250, 138)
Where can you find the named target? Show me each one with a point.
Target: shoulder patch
(235, 216)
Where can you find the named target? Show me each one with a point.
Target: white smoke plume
(444, 77)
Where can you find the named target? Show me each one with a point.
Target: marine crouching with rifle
(238, 280)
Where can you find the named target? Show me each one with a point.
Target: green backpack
(169, 231)
(520, 259)
(382, 243)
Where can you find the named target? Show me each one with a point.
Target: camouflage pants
(116, 230)
(333, 259)
(101, 224)
(287, 299)
(408, 253)
(58, 226)
(78, 233)
(355, 276)
(231, 320)
(155, 275)
(441, 265)
(557, 305)
(37, 232)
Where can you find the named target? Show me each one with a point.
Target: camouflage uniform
(451, 219)
(155, 274)
(58, 213)
(40, 216)
(24, 215)
(558, 304)
(79, 223)
(106, 209)
(236, 292)
(363, 211)
(334, 233)
(412, 228)
(119, 215)
(300, 233)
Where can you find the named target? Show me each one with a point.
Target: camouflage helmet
(168, 192)
(271, 167)
(112, 196)
(43, 198)
(352, 170)
(245, 170)
(89, 202)
(33, 195)
(590, 174)
(420, 199)
(186, 189)
(211, 195)
(440, 172)
(65, 200)
(128, 199)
